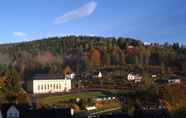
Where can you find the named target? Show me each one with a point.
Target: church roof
(47, 76)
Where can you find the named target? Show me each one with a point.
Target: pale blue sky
(147, 20)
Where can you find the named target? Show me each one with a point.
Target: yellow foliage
(76, 108)
(174, 97)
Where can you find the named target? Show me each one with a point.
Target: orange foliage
(67, 70)
(173, 96)
(95, 57)
(76, 108)
(167, 105)
(99, 105)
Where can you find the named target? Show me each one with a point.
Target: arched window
(45, 86)
(41, 87)
(48, 86)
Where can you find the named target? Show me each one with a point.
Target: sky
(147, 20)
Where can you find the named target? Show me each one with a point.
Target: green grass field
(61, 98)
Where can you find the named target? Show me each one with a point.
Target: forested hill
(84, 53)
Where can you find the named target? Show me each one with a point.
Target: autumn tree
(95, 57)
(12, 80)
(147, 81)
(67, 70)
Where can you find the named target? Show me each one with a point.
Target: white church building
(49, 83)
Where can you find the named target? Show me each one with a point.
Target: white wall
(51, 86)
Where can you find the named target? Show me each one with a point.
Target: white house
(154, 76)
(13, 112)
(43, 84)
(100, 75)
(70, 76)
(134, 77)
(174, 81)
(90, 108)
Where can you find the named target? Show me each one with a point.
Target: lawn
(61, 98)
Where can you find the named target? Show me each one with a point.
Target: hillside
(84, 53)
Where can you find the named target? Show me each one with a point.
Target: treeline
(85, 53)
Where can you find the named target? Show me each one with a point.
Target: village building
(100, 75)
(90, 108)
(170, 80)
(174, 80)
(134, 77)
(95, 75)
(48, 83)
(70, 76)
(12, 112)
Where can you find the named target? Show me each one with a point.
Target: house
(154, 76)
(174, 80)
(96, 75)
(48, 83)
(20, 111)
(100, 75)
(13, 112)
(134, 77)
(90, 108)
(70, 76)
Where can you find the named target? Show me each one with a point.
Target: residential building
(90, 108)
(13, 112)
(70, 76)
(100, 75)
(174, 80)
(134, 77)
(171, 79)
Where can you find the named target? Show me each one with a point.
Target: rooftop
(48, 76)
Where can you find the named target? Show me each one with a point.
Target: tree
(106, 58)
(147, 81)
(12, 80)
(67, 70)
(95, 57)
